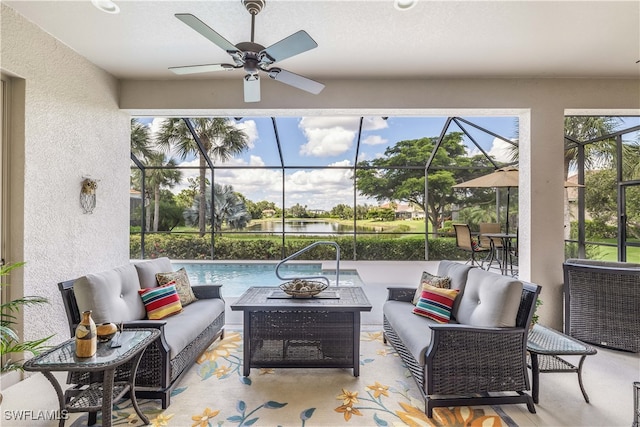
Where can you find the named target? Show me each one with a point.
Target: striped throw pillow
(435, 303)
(161, 302)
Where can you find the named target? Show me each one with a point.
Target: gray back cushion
(147, 271)
(457, 272)
(489, 300)
(112, 295)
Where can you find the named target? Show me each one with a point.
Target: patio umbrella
(506, 177)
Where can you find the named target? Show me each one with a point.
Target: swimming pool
(238, 277)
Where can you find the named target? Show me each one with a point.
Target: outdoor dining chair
(495, 244)
(465, 241)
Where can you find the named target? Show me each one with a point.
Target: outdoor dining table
(502, 253)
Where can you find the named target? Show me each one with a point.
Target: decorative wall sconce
(88, 195)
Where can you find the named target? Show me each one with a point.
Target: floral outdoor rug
(214, 393)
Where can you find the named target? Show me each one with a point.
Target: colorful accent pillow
(181, 279)
(161, 302)
(435, 303)
(430, 279)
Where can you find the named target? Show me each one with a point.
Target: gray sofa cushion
(147, 271)
(182, 329)
(489, 300)
(112, 295)
(412, 329)
(458, 273)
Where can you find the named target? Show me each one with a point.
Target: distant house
(405, 211)
(268, 213)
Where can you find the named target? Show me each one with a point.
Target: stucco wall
(72, 128)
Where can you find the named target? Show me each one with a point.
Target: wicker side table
(106, 360)
(545, 346)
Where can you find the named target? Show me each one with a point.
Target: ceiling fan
(254, 57)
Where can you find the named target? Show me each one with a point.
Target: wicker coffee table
(318, 332)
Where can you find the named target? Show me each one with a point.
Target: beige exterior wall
(70, 127)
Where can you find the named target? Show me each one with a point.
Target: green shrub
(192, 246)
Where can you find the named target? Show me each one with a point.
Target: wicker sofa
(602, 303)
(113, 297)
(480, 351)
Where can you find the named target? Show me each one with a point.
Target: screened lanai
(364, 182)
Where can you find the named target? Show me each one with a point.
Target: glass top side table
(545, 346)
(63, 357)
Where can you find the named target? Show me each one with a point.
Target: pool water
(237, 278)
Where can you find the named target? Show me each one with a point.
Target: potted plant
(9, 340)
(535, 317)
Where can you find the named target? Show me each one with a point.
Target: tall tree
(141, 143)
(220, 139)
(229, 209)
(160, 174)
(387, 179)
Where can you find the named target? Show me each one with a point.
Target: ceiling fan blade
(206, 68)
(251, 88)
(293, 45)
(206, 31)
(295, 80)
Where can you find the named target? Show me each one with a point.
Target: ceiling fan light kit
(253, 57)
(106, 6)
(404, 4)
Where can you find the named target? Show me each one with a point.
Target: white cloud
(501, 150)
(327, 142)
(249, 127)
(332, 136)
(374, 140)
(374, 123)
(315, 188)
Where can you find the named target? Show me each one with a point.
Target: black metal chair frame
(464, 241)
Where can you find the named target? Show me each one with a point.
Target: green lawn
(610, 253)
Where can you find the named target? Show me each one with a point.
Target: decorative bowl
(300, 288)
(106, 331)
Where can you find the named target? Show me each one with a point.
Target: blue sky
(329, 141)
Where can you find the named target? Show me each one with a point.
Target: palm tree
(229, 208)
(221, 140)
(140, 139)
(10, 342)
(583, 128)
(166, 175)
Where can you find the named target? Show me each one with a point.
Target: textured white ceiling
(359, 38)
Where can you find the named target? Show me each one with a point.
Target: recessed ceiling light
(106, 6)
(404, 4)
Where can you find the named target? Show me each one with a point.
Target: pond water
(297, 226)
(238, 277)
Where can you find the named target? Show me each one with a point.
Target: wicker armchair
(602, 303)
(463, 364)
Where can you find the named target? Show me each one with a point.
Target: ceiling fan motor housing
(254, 6)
